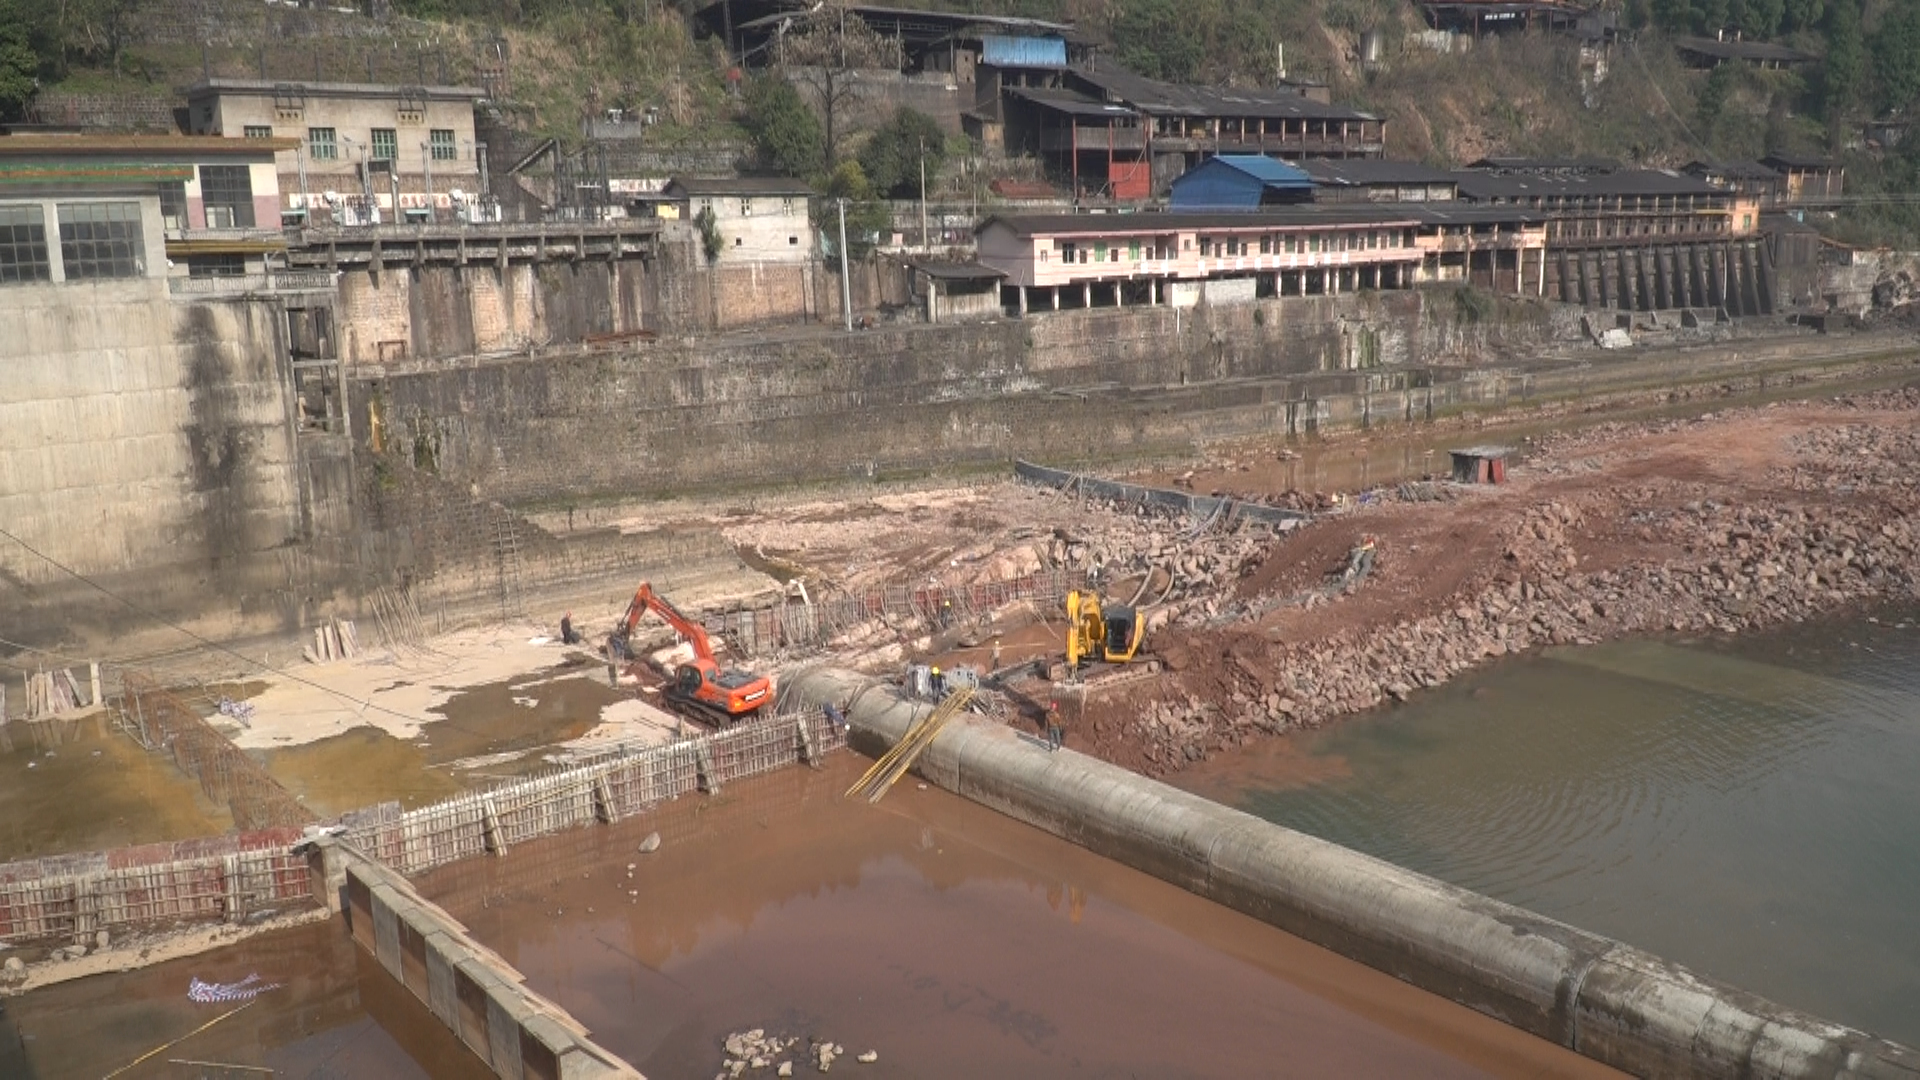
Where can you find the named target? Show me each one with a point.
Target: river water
(1748, 808)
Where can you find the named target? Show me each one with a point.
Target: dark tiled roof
(1742, 50)
(1171, 99)
(739, 185)
(1071, 102)
(1545, 164)
(956, 271)
(1799, 161)
(1360, 172)
(1480, 186)
(1732, 170)
(1266, 218)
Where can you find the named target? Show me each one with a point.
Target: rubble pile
(1834, 529)
(750, 1052)
(1130, 541)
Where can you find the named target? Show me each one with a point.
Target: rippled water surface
(1751, 810)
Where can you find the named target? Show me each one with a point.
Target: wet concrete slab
(336, 1014)
(478, 736)
(80, 785)
(951, 940)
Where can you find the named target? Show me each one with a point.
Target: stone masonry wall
(671, 417)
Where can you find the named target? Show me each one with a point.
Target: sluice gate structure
(1605, 1000)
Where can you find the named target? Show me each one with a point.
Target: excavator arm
(729, 694)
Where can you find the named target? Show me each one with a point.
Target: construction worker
(939, 684)
(567, 636)
(1056, 735)
(946, 614)
(996, 653)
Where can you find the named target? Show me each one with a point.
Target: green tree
(786, 134)
(19, 70)
(1802, 14)
(868, 219)
(1895, 51)
(1713, 99)
(1162, 39)
(1846, 63)
(823, 52)
(891, 159)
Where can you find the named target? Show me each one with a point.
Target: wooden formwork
(602, 790)
(75, 897)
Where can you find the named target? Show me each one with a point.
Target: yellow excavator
(1112, 635)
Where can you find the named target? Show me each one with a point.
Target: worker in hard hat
(939, 684)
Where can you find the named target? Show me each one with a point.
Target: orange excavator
(700, 686)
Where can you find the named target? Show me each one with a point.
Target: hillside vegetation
(1517, 95)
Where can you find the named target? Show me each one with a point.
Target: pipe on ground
(1605, 1000)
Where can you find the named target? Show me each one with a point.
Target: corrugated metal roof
(1001, 50)
(1270, 171)
(1742, 50)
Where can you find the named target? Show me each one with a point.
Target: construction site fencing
(802, 624)
(1207, 507)
(160, 719)
(603, 789)
(221, 878)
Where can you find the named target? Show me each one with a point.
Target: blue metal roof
(1269, 171)
(999, 50)
(1239, 182)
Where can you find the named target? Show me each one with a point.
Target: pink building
(1086, 260)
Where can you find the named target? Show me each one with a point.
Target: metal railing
(273, 281)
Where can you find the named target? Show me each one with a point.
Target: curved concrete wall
(1605, 1000)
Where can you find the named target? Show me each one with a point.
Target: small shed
(1481, 464)
(956, 291)
(1240, 182)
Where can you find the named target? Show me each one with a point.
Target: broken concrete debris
(755, 1050)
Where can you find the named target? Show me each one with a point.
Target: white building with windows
(361, 152)
(760, 219)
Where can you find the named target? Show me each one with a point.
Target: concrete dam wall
(1607, 1001)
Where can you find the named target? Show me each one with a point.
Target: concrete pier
(517, 1033)
(1601, 998)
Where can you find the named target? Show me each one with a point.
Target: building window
(212, 266)
(1206, 246)
(786, 206)
(1133, 251)
(793, 241)
(227, 192)
(1100, 251)
(1043, 254)
(1266, 245)
(259, 131)
(385, 144)
(321, 145)
(23, 246)
(440, 141)
(173, 204)
(1289, 243)
(746, 207)
(102, 240)
(1067, 253)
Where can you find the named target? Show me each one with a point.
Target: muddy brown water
(80, 785)
(365, 765)
(951, 940)
(336, 1014)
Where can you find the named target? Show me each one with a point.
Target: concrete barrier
(517, 1033)
(1598, 997)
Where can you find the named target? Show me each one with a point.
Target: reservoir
(1748, 808)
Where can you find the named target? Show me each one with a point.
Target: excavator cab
(1112, 635)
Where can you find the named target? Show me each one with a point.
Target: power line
(206, 642)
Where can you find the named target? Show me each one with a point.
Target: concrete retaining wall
(1605, 1000)
(480, 997)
